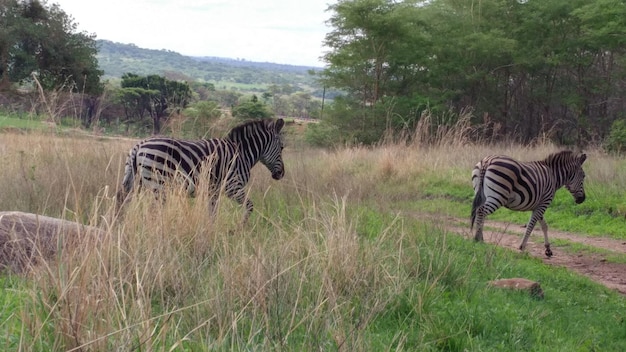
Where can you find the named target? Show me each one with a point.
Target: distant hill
(115, 59)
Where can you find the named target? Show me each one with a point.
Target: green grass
(20, 123)
(450, 307)
(11, 299)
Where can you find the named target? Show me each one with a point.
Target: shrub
(323, 134)
(252, 109)
(616, 141)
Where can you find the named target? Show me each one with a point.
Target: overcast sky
(279, 31)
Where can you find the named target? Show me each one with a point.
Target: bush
(199, 119)
(322, 134)
(206, 110)
(252, 109)
(616, 141)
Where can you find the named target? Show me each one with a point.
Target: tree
(365, 37)
(251, 109)
(155, 95)
(11, 19)
(552, 67)
(42, 39)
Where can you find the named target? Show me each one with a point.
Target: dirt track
(592, 265)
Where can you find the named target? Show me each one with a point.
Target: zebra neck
(560, 176)
(247, 152)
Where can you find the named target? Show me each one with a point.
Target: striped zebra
(159, 160)
(502, 181)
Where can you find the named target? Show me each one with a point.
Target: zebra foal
(502, 181)
(156, 161)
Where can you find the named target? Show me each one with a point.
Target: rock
(532, 287)
(26, 239)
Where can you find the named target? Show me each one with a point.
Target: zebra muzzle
(580, 199)
(278, 175)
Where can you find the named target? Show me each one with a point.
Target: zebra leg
(529, 227)
(544, 228)
(490, 205)
(240, 197)
(479, 222)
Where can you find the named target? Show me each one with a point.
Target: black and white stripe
(160, 160)
(502, 181)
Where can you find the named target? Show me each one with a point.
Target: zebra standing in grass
(158, 160)
(501, 181)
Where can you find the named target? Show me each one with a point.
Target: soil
(593, 265)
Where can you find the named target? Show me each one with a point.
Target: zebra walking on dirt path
(158, 160)
(502, 181)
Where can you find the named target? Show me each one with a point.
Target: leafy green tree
(367, 36)
(39, 38)
(553, 67)
(155, 95)
(11, 19)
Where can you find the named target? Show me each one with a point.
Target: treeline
(526, 68)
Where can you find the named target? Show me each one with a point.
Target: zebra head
(575, 175)
(272, 154)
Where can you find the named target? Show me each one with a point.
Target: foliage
(323, 134)
(355, 125)
(40, 40)
(527, 69)
(251, 109)
(154, 95)
(616, 141)
(205, 110)
(200, 118)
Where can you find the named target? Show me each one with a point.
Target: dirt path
(592, 265)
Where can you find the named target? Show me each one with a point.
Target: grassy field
(16, 123)
(325, 263)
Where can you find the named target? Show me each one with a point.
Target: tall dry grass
(167, 276)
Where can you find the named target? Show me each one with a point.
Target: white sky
(278, 31)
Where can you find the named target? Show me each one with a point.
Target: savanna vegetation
(347, 252)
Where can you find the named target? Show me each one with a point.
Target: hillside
(115, 59)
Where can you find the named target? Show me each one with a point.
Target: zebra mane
(239, 130)
(559, 157)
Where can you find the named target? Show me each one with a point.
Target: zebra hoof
(548, 252)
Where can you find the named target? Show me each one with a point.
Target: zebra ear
(583, 157)
(279, 124)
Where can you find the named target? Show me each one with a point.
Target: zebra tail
(479, 197)
(129, 170)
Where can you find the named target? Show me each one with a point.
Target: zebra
(523, 186)
(159, 160)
